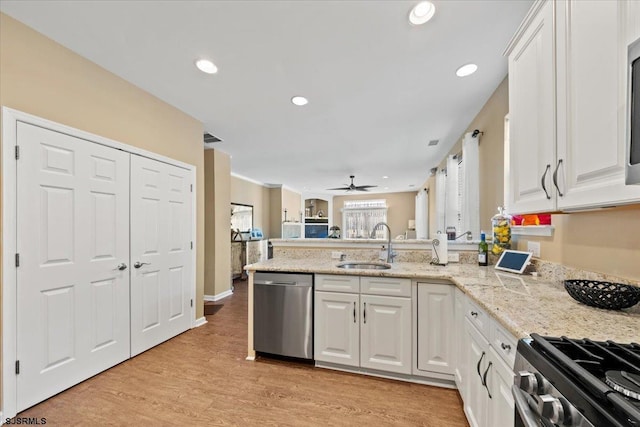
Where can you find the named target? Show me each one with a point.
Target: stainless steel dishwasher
(283, 314)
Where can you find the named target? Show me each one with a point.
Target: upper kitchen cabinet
(567, 102)
(531, 112)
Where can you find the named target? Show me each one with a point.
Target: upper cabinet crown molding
(524, 25)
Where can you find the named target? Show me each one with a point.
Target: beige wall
(217, 277)
(292, 202)
(489, 120)
(275, 213)
(40, 77)
(603, 241)
(249, 193)
(401, 208)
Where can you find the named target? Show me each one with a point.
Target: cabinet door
(532, 115)
(499, 382)
(386, 333)
(592, 81)
(435, 327)
(336, 328)
(476, 404)
(459, 341)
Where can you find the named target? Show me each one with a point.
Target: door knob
(122, 266)
(139, 264)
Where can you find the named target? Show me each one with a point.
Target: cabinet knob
(474, 313)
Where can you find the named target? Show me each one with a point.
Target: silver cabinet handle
(528, 417)
(544, 178)
(505, 346)
(555, 178)
(139, 264)
(354, 312)
(122, 266)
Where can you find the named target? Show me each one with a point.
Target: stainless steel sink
(364, 265)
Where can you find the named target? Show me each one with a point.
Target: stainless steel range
(570, 382)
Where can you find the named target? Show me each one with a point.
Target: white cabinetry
(460, 356)
(337, 328)
(567, 106)
(435, 327)
(385, 341)
(532, 113)
(358, 324)
(592, 80)
(490, 354)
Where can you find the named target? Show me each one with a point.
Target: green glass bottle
(483, 251)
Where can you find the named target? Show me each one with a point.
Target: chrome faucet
(390, 254)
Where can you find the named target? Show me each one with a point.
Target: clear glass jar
(501, 224)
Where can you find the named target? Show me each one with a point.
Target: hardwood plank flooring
(201, 378)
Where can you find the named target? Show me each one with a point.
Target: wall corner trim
(219, 296)
(199, 322)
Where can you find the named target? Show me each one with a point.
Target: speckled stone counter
(522, 304)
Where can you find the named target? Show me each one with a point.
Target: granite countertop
(522, 304)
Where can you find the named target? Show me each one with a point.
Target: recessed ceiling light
(299, 101)
(206, 66)
(421, 13)
(385, 177)
(386, 188)
(412, 185)
(466, 70)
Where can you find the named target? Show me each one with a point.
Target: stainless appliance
(283, 314)
(570, 382)
(633, 132)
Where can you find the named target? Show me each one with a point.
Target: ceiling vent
(433, 142)
(210, 139)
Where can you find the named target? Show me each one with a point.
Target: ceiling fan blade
(361, 189)
(358, 187)
(339, 188)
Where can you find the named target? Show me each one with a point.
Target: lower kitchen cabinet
(487, 398)
(362, 330)
(435, 327)
(476, 401)
(385, 333)
(499, 382)
(337, 328)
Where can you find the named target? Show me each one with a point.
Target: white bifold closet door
(160, 252)
(73, 241)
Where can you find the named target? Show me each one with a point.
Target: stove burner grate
(624, 382)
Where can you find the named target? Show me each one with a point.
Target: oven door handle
(529, 418)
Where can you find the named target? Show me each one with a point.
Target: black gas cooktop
(607, 373)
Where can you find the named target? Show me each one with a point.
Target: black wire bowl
(612, 296)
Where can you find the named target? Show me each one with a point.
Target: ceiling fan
(352, 187)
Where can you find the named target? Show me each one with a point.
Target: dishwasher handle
(280, 283)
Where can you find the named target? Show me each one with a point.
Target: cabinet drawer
(478, 317)
(337, 283)
(504, 343)
(385, 286)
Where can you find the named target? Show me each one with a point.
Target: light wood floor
(201, 378)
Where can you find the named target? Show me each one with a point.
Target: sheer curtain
(441, 198)
(471, 201)
(422, 214)
(452, 208)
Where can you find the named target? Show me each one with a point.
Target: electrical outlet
(454, 257)
(336, 255)
(534, 248)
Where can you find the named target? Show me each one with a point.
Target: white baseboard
(250, 358)
(219, 296)
(199, 322)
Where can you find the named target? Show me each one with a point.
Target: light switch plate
(534, 248)
(336, 255)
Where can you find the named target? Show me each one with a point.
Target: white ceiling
(379, 89)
